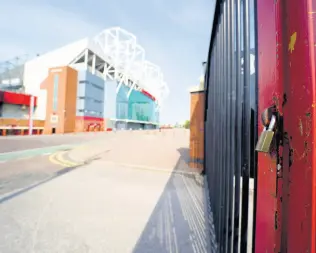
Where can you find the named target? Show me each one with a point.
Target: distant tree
(187, 124)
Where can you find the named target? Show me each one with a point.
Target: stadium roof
(114, 53)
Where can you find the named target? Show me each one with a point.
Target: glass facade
(136, 107)
(98, 98)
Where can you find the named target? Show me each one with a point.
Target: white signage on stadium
(53, 119)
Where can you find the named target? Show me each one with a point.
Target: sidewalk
(145, 148)
(128, 198)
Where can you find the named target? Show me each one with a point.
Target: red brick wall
(197, 130)
(67, 95)
(70, 100)
(89, 124)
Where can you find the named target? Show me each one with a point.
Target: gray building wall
(90, 95)
(110, 99)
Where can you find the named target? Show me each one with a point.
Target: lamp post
(31, 109)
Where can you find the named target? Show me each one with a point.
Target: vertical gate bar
(214, 118)
(227, 117)
(219, 122)
(232, 126)
(247, 130)
(216, 128)
(255, 163)
(223, 130)
(214, 181)
(211, 119)
(218, 132)
(222, 108)
(210, 136)
(238, 125)
(219, 136)
(224, 116)
(209, 82)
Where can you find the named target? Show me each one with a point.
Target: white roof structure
(112, 54)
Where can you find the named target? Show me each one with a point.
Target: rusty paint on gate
(286, 212)
(270, 55)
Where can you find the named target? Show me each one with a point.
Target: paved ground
(109, 195)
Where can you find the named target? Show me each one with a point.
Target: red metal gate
(285, 177)
(286, 193)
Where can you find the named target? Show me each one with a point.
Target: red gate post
(298, 202)
(286, 210)
(268, 225)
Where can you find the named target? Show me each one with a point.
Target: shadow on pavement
(180, 220)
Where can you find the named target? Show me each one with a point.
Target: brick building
(197, 97)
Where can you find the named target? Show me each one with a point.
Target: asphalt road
(18, 143)
(25, 173)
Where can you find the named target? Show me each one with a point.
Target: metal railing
(230, 126)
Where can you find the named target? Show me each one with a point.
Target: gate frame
(287, 80)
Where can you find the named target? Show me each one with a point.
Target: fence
(230, 125)
(283, 38)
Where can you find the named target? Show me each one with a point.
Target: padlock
(266, 137)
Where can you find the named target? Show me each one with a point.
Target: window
(97, 86)
(83, 81)
(55, 92)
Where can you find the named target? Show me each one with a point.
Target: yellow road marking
(64, 161)
(52, 159)
(57, 158)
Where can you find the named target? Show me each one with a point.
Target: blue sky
(175, 34)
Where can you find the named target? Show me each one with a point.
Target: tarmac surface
(19, 143)
(118, 192)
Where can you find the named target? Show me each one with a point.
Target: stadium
(94, 84)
